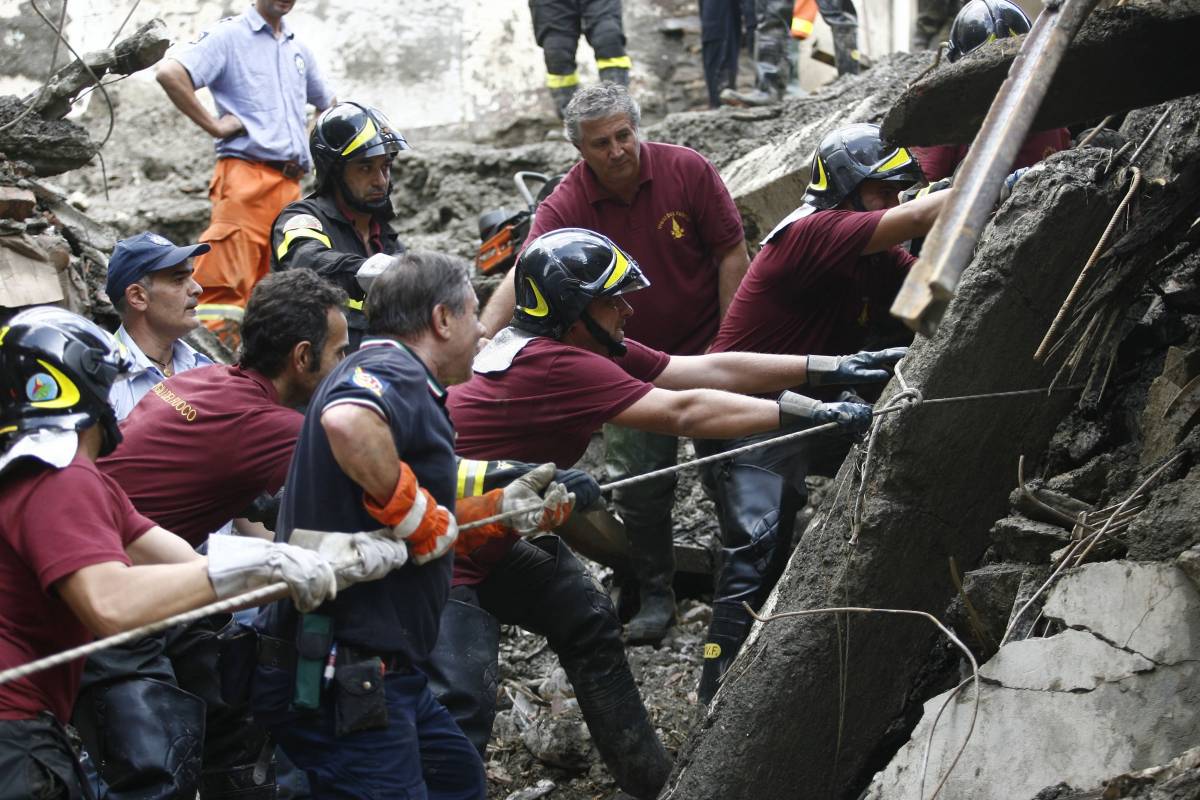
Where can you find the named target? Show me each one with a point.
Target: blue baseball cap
(135, 257)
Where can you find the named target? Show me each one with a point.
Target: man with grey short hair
(668, 208)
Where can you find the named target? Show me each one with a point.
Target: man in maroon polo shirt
(825, 274)
(541, 387)
(667, 207)
(198, 449)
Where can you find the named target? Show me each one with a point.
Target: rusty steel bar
(951, 243)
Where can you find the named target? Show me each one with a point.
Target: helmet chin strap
(614, 347)
(111, 433)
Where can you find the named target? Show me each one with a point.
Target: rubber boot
(617, 75)
(621, 731)
(845, 51)
(728, 630)
(562, 96)
(462, 668)
(238, 783)
(145, 738)
(653, 550)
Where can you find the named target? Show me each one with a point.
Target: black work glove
(264, 509)
(797, 409)
(936, 186)
(863, 367)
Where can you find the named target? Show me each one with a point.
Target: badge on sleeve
(306, 221)
(366, 380)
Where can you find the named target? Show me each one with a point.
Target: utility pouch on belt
(314, 638)
(359, 701)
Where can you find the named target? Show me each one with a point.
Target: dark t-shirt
(680, 221)
(811, 291)
(940, 161)
(398, 613)
(201, 445)
(544, 407)
(53, 523)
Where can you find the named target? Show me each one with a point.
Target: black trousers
(38, 761)
(724, 25)
(557, 25)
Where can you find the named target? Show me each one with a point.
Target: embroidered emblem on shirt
(674, 217)
(41, 387)
(367, 381)
(300, 64)
(302, 221)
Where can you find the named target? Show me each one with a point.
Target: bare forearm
(362, 446)
(176, 82)
(110, 598)
(499, 309)
(730, 271)
(748, 373)
(711, 414)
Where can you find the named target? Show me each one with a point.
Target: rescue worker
(668, 208)
(151, 286)
(979, 22)
(541, 387)
(377, 448)
(826, 274)
(259, 130)
(724, 24)
(238, 426)
(93, 566)
(774, 61)
(341, 231)
(556, 28)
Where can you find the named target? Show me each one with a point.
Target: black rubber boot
(845, 50)
(617, 75)
(145, 738)
(562, 96)
(463, 669)
(654, 567)
(729, 628)
(621, 730)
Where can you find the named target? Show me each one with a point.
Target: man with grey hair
(376, 448)
(667, 207)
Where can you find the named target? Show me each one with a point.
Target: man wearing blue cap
(150, 283)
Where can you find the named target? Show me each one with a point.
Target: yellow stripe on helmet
(542, 308)
(619, 62)
(822, 181)
(619, 268)
(898, 159)
(3, 333)
(365, 135)
(68, 391)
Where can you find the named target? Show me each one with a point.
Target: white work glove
(547, 510)
(237, 564)
(372, 268)
(356, 557)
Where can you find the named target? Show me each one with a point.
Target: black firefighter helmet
(981, 21)
(347, 132)
(853, 154)
(56, 370)
(563, 271)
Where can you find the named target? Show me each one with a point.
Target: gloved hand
(796, 408)
(936, 186)
(1007, 187)
(372, 268)
(413, 515)
(480, 477)
(357, 557)
(863, 367)
(237, 564)
(551, 507)
(580, 485)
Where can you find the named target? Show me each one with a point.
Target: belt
(392, 662)
(289, 169)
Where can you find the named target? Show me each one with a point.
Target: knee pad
(558, 51)
(607, 38)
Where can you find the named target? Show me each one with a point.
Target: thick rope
(276, 591)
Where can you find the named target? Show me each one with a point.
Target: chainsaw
(502, 232)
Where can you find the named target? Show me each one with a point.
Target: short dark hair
(403, 297)
(286, 308)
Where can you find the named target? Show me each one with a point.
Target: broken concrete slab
(1172, 405)
(774, 723)
(1075, 707)
(1179, 779)
(1148, 608)
(1020, 539)
(29, 270)
(948, 105)
(16, 203)
(1170, 523)
(1072, 661)
(991, 591)
(49, 146)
